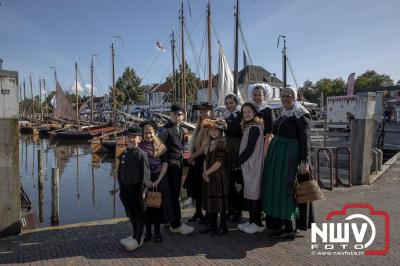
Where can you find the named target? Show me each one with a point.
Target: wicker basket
(153, 199)
(308, 191)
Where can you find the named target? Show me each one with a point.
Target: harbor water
(88, 189)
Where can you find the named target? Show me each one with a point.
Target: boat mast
(24, 109)
(113, 85)
(21, 109)
(91, 90)
(235, 72)
(40, 96)
(33, 103)
(45, 96)
(55, 76)
(209, 52)
(76, 91)
(284, 60)
(173, 67)
(183, 58)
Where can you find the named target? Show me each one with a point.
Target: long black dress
(234, 174)
(194, 178)
(291, 127)
(164, 214)
(217, 197)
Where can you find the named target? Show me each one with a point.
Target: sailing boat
(114, 141)
(77, 131)
(29, 126)
(46, 128)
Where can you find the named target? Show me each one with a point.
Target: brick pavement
(99, 244)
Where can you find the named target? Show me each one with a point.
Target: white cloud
(88, 88)
(82, 90)
(72, 88)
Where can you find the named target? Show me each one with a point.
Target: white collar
(262, 106)
(298, 111)
(228, 114)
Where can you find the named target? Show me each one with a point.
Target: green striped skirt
(280, 168)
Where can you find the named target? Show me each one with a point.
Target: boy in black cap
(133, 178)
(172, 136)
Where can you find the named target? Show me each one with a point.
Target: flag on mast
(159, 47)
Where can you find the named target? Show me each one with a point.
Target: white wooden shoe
(242, 226)
(253, 228)
(183, 229)
(131, 245)
(123, 240)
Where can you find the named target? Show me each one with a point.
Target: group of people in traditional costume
(247, 161)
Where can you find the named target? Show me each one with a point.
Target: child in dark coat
(133, 178)
(215, 178)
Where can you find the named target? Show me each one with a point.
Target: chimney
(1, 64)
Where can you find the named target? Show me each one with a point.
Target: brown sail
(61, 107)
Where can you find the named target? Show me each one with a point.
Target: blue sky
(325, 38)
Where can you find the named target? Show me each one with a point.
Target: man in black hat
(133, 178)
(173, 137)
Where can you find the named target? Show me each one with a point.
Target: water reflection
(88, 189)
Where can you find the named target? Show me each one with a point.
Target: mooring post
(40, 185)
(55, 193)
(10, 190)
(362, 137)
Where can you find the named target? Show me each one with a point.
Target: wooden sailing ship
(77, 130)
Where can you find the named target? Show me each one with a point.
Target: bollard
(374, 161)
(40, 186)
(55, 194)
(379, 158)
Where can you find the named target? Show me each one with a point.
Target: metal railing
(337, 180)
(329, 153)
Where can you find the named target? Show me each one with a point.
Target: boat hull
(84, 135)
(26, 130)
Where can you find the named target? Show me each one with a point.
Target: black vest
(174, 142)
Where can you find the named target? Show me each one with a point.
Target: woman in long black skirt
(194, 180)
(233, 135)
(158, 163)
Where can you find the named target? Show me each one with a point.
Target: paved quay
(98, 243)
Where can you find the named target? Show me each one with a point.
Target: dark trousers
(174, 174)
(131, 197)
(254, 208)
(157, 230)
(213, 219)
(255, 217)
(138, 228)
(199, 209)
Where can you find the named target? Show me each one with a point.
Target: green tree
(331, 87)
(192, 83)
(128, 88)
(309, 92)
(49, 97)
(370, 80)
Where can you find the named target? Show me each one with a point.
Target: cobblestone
(99, 244)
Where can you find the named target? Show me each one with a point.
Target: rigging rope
(245, 45)
(291, 70)
(195, 56)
